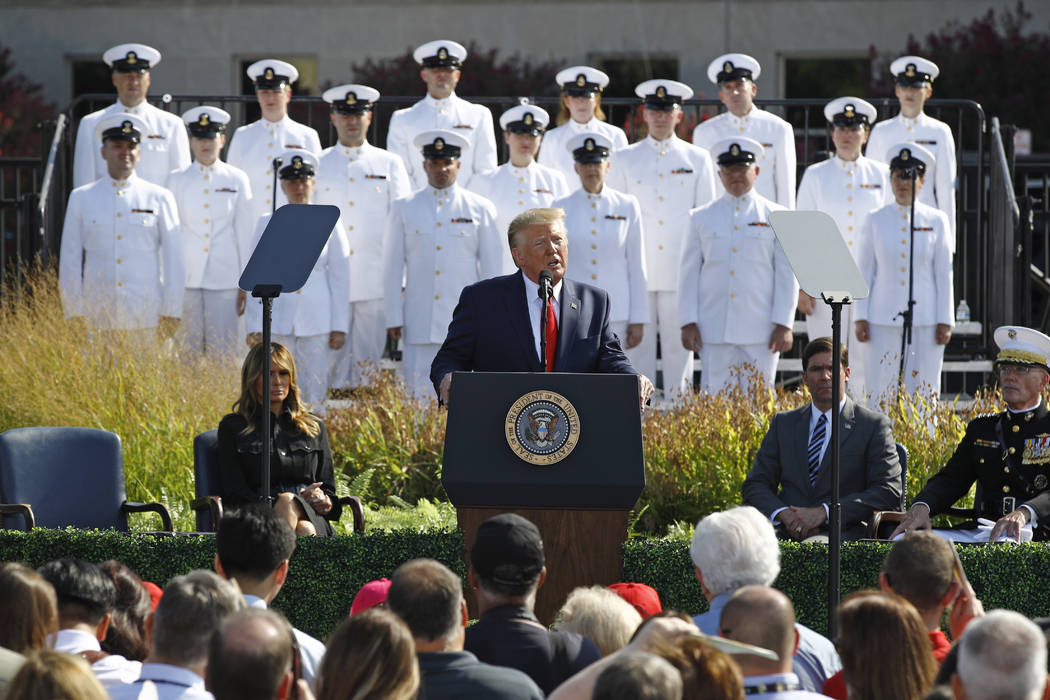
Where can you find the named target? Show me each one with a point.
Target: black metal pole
(267, 304)
(907, 313)
(273, 200)
(834, 506)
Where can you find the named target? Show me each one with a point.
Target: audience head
(250, 656)
(707, 673)
(428, 597)
(370, 655)
(371, 595)
(252, 543)
(763, 617)
(920, 568)
(600, 615)
(880, 631)
(28, 609)
(638, 675)
(85, 594)
(127, 635)
(644, 598)
(735, 548)
(507, 556)
(190, 611)
(1002, 656)
(54, 675)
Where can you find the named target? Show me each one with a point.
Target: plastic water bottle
(962, 312)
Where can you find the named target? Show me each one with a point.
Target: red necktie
(552, 335)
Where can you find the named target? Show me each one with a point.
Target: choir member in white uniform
(735, 75)
(120, 264)
(363, 181)
(254, 146)
(609, 245)
(580, 113)
(164, 146)
(440, 62)
(886, 254)
(669, 177)
(521, 183)
(214, 201)
(441, 238)
(737, 293)
(914, 78)
(847, 186)
(314, 319)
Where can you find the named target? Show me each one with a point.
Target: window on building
(91, 76)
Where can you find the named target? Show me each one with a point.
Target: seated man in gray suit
(790, 481)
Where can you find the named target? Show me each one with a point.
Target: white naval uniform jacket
(439, 242)
(363, 181)
(607, 249)
(670, 178)
(554, 154)
(253, 148)
(164, 147)
(322, 305)
(127, 234)
(735, 280)
(473, 122)
(884, 247)
(847, 191)
(216, 215)
(776, 169)
(936, 137)
(514, 190)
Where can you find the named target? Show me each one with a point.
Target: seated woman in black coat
(302, 480)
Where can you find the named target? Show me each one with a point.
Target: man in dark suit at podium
(496, 324)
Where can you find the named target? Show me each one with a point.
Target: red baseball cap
(371, 594)
(644, 598)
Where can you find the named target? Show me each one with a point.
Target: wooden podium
(564, 451)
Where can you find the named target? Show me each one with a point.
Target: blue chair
(58, 477)
(207, 485)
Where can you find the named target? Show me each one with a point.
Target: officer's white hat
(297, 164)
(589, 147)
(124, 127)
(131, 58)
(733, 66)
(351, 98)
(1022, 346)
(905, 156)
(441, 144)
(850, 111)
(441, 53)
(206, 121)
(581, 81)
(663, 94)
(914, 70)
(271, 74)
(524, 119)
(737, 150)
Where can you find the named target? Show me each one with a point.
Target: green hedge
(326, 573)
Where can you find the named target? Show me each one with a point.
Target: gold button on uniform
(1016, 428)
(1012, 450)
(1006, 489)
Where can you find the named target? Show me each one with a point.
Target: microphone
(277, 163)
(546, 280)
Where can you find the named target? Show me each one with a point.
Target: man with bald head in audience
(250, 657)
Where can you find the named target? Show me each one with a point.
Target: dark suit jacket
(491, 332)
(869, 470)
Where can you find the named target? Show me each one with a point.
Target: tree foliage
(22, 108)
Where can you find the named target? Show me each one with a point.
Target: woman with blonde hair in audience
(54, 675)
(370, 655)
(600, 615)
(28, 609)
(884, 647)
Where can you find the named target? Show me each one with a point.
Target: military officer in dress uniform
(215, 210)
(736, 291)
(580, 113)
(254, 146)
(735, 75)
(521, 183)
(606, 226)
(1007, 454)
(669, 177)
(441, 238)
(847, 187)
(314, 319)
(915, 76)
(886, 258)
(164, 146)
(121, 261)
(440, 62)
(363, 181)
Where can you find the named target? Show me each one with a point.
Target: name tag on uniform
(927, 143)
(141, 211)
(873, 186)
(614, 217)
(462, 126)
(156, 136)
(1036, 451)
(759, 223)
(225, 189)
(542, 191)
(375, 177)
(682, 171)
(924, 228)
(986, 443)
(462, 220)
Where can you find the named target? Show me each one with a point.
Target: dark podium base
(582, 547)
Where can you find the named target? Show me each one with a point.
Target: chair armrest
(23, 509)
(165, 517)
(354, 503)
(213, 504)
(880, 517)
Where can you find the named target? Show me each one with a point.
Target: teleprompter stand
(282, 260)
(824, 268)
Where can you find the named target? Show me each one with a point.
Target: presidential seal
(542, 428)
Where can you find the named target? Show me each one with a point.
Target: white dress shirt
(110, 670)
(162, 682)
(311, 650)
(554, 154)
(536, 310)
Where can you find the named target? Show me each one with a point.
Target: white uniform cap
(737, 150)
(530, 116)
(269, 71)
(128, 124)
(845, 111)
(1022, 346)
(583, 80)
(213, 115)
(664, 91)
(441, 53)
(441, 143)
(351, 97)
(914, 70)
(129, 57)
(733, 66)
(905, 151)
